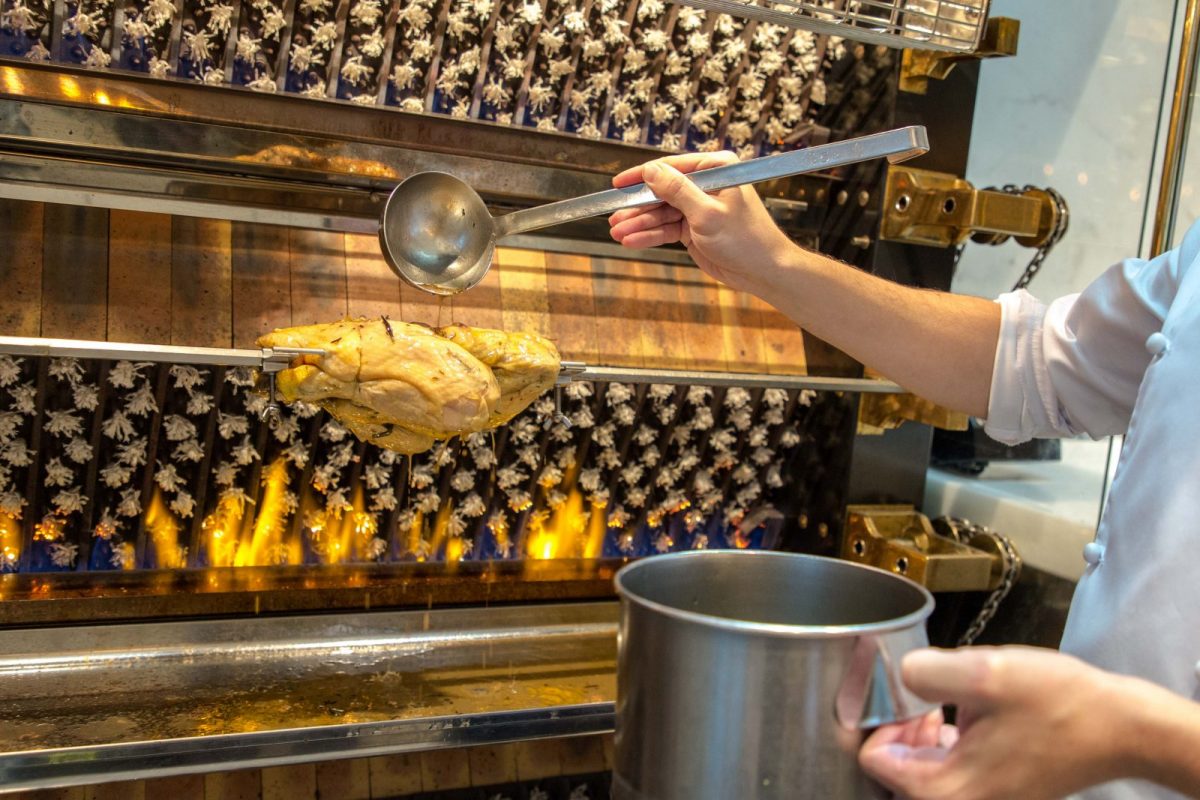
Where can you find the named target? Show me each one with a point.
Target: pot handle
(872, 692)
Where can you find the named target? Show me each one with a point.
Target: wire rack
(953, 25)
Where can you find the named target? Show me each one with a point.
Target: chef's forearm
(1160, 734)
(935, 344)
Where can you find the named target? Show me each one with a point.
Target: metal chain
(1039, 256)
(963, 531)
(1056, 235)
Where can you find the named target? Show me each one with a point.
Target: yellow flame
(597, 530)
(266, 535)
(567, 533)
(499, 528)
(221, 529)
(126, 550)
(456, 549)
(343, 534)
(365, 525)
(10, 542)
(440, 526)
(164, 528)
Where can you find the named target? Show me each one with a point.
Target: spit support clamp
(917, 67)
(900, 539)
(569, 371)
(943, 210)
(276, 359)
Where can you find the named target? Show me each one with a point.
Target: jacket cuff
(1014, 381)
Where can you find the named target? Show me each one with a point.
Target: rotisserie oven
(211, 568)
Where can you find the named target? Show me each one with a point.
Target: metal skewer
(273, 359)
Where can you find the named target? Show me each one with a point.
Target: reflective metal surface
(918, 66)
(60, 598)
(941, 210)
(901, 539)
(268, 359)
(121, 140)
(246, 117)
(577, 371)
(163, 698)
(1178, 125)
(438, 234)
(772, 663)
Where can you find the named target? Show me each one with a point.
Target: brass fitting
(918, 66)
(943, 210)
(900, 539)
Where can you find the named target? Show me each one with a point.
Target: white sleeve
(1075, 366)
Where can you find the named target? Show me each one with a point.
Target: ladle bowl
(438, 235)
(437, 231)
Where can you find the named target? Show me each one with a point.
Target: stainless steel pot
(754, 674)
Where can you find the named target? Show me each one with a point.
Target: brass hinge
(941, 210)
(899, 539)
(918, 66)
(883, 412)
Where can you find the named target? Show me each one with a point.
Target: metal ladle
(438, 235)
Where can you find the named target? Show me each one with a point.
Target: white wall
(1076, 109)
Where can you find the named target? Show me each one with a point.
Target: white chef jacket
(1122, 357)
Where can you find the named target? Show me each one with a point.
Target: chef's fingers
(910, 771)
(664, 234)
(687, 162)
(663, 215)
(964, 677)
(674, 188)
(618, 217)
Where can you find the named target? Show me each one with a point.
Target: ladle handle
(896, 145)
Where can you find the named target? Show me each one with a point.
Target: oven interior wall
(628, 473)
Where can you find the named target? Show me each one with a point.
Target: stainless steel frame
(130, 142)
(126, 141)
(109, 702)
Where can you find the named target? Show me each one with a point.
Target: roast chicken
(403, 385)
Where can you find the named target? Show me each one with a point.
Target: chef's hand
(729, 234)
(1032, 723)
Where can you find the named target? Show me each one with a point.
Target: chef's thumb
(675, 189)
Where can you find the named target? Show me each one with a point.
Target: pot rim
(909, 620)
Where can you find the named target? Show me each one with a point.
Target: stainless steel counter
(128, 701)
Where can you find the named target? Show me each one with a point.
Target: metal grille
(122, 465)
(954, 25)
(637, 71)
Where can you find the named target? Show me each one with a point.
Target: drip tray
(128, 701)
